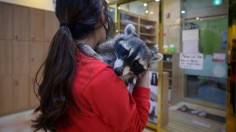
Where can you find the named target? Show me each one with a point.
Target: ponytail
(55, 89)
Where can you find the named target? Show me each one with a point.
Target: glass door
(192, 91)
(195, 47)
(144, 16)
(205, 34)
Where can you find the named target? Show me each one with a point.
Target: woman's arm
(144, 80)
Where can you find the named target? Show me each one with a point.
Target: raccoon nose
(118, 71)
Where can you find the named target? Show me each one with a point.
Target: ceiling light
(146, 11)
(157, 0)
(183, 11)
(145, 4)
(111, 10)
(217, 2)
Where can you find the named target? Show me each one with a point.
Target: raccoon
(127, 54)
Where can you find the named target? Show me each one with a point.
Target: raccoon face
(132, 55)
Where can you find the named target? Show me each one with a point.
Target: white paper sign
(190, 40)
(190, 46)
(192, 34)
(191, 61)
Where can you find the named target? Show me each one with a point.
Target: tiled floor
(9, 123)
(20, 122)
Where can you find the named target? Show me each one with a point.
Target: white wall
(39, 4)
(135, 7)
(172, 23)
(204, 8)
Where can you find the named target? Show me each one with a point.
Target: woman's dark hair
(77, 19)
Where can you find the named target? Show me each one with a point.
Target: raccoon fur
(127, 54)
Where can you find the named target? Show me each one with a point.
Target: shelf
(125, 22)
(150, 21)
(147, 22)
(147, 27)
(169, 70)
(128, 16)
(167, 61)
(146, 34)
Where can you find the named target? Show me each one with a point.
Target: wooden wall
(25, 35)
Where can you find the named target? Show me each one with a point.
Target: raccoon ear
(130, 29)
(156, 57)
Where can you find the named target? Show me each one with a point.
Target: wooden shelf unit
(168, 66)
(146, 29)
(171, 65)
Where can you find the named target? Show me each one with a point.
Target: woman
(78, 92)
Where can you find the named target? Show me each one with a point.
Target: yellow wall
(40, 4)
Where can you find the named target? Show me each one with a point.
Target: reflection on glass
(210, 89)
(208, 84)
(144, 16)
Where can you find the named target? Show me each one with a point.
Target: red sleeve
(109, 98)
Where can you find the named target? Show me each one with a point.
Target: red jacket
(103, 102)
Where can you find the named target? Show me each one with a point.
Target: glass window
(208, 84)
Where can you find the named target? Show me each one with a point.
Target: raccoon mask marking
(126, 54)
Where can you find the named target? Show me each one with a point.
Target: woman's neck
(90, 40)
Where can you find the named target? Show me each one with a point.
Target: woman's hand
(144, 80)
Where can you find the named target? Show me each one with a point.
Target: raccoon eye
(137, 68)
(121, 52)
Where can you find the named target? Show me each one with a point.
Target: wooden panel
(21, 23)
(154, 8)
(164, 100)
(5, 57)
(37, 21)
(20, 93)
(170, 12)
(5, 21)
(33, 100)
(37, 55)
(177, 81)
(51, 25)
(5, 94)
(20, 57)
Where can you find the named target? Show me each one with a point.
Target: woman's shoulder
(93, 72)
(91, 68)
(89, 62)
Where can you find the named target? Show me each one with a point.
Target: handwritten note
(191, 61)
